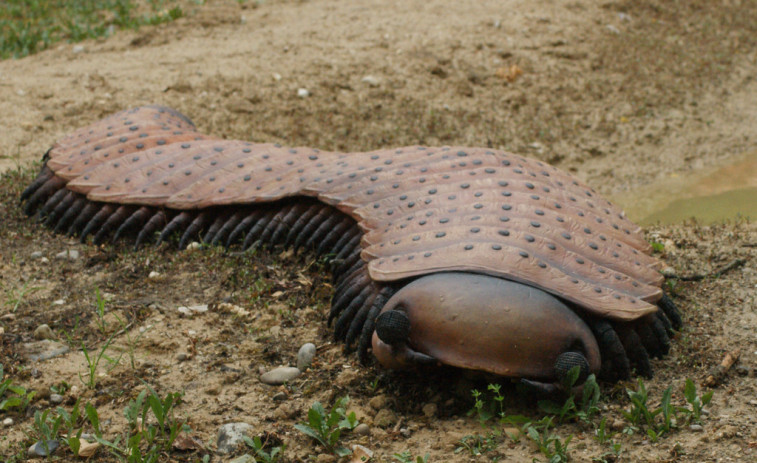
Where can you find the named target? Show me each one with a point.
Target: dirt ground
(622, 93)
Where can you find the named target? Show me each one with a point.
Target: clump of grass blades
(30, 26)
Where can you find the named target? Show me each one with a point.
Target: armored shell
(421, 210)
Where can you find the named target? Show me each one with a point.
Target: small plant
(697, 403)
(327, 428)
(94, 361)
(261, 453)
(20, 398)
(569, 410)
(477, 445)
(14, 298)
(407, 457)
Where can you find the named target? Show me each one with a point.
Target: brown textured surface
(423, 209)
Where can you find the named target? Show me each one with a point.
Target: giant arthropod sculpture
(470, 257)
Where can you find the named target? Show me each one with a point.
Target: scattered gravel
(56, 398)
(70, 254)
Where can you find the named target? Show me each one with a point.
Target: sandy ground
(624, 94)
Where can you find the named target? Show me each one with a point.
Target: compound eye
(566, 361)
(393, 327)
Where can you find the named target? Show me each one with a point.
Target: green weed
(12, 396)
(15, 297)
(30, 26)
(266, 456)
(326, 428)
(407, 457)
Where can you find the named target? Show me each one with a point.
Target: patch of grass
(326, 428)
(15, 297)
(30, 26)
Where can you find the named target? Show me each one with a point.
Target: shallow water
(707, 195)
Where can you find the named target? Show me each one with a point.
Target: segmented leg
(615, 364)
(193, 229)
(98, 219)
(41, 194)
(323, 229)
(70, 214)
(60, 209)
(289, 220)
(52, 203)
(301, 222)
(155, 223)
(44, 175)
(637, 354)
(275, 222)
(370, 322)
(339, 231)
(671, 311)
(311, 226)
(136, 219)
(254, 234)
(83, 218)
(115, 220)
(177, 224)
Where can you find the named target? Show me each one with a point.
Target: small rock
(385, 418)
(193, 309)
(43, 331)
(696, 427)
(59, 302)
(753, 402)
(612, 29)
(70, 254)
(44, 260)
(362, 430)
(230, 436)
(43, 350)
(181, 357)
(371, 80)
(325, 458)
(9, 317)
(193, 245)
(303, 93)
(378, 402)
(280, 396)
(430, 410)
(305, 356)
(246, 458)
(36, 255)
(405, 432)
(279, 375)
(78, 49)
(153, 275)
(56, 398)
(8, 422)
(617, 425)
(39, 450)
(276, 76)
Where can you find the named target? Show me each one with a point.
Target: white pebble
(59, 302)
(371, 80)
(36, 255)
(193, 245)
(193, 309)
(8, 422)
(70, 254)
(276, 76)
(303, 93)
(153, 275)
(78, 48)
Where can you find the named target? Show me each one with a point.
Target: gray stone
(280, 396)
(279, 375)
(246, 458)
(230, 436)
(8, 422)
(56, 398)
(305, 356)
(43, 331)
(38, 449)
(43, 350)
(696, 427)
(371, 81)
(36, 255)
(70, 254)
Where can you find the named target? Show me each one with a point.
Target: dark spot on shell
(441, 234)
(530, 238)
(504, 232)
(523, 254)
(468, 247)
(496, 247)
